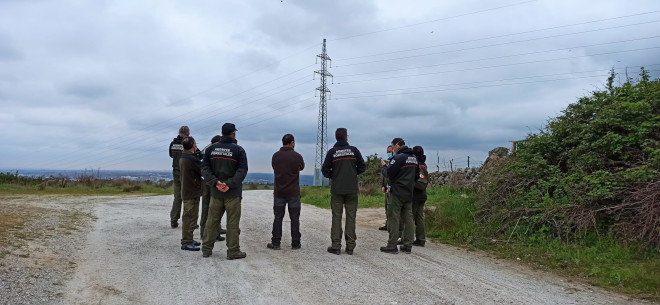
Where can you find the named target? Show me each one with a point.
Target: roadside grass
(451, 218)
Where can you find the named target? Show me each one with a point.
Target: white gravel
(132, 256)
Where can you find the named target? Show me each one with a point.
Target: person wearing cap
(224, 168)
(402, 171)
(287, 164)
(176, 149)
(342, 165)
(206, 199)
(191, 190)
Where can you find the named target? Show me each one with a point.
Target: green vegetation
(593, 171)
(15, 184)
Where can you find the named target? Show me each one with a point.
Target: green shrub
(593, 169)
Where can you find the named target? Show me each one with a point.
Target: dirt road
(132, 256)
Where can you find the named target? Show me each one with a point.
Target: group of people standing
(216, 174)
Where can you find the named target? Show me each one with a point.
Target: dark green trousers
(338, 203)
(400, 212)
(175, 213)
(206, 200)
(418, 218)
(217, 208)
(189, 220)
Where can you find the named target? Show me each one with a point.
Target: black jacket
(402, 172)
(176, 148)
(420, 195)
(287, 164)
(342, 165)
(226, 162)
(191, 176)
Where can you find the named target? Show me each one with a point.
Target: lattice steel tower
(322, 133)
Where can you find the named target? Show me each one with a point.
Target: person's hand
(221, 186)
(383, 189)
(382, 163)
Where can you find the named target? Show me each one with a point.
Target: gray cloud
(103, 71)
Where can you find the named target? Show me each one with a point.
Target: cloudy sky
(106, 84)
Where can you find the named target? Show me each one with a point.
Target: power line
(443, 52)
(487, 81)
(499, 36)
(432, 21)
(497, 66)
(473, 87)
(436, 65)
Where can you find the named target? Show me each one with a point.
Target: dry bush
(370, 190)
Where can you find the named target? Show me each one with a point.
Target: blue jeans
(279, 208)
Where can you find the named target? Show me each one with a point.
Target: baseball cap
(228, 128)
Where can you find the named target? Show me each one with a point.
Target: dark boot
(390, 249)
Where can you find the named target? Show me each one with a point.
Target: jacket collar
(404, 150)
(341, 144)
(284, 148)
(421, 158)
(228, 140)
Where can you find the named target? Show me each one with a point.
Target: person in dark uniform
(206, 199)
(176, 149)
(287, 164)
(342, 164)
(419, 198)
(191, 190)
(402, 171)
(224, 168)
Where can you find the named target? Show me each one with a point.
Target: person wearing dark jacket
(176, 149)
(402, 171)
(342, 164)
(419, 198)
(206, 199)
(191, 190)
(224, 168)
(287, 164)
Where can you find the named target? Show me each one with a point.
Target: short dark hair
(287, 139)
(216, 139)
(398, 141)
(418, 151)
(188, 142)
(341, 134)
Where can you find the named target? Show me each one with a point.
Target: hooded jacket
(420, 195)
(226, 162)
(191, 176)
(342, 165)
(402, 171)
(287, 164)
(176, 149)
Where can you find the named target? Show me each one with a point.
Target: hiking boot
(383, 228)
(222, 231)
(273, 246)
(349, 251)
(390, 249)
(237, 255)
(189, 247)
(196, 243)
(418, 243)
(174, 223)
(334, 250)
(295, 246)
(206, 254)
(220, 238)
(406, 250)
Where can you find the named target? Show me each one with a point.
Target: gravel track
(131, 256)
